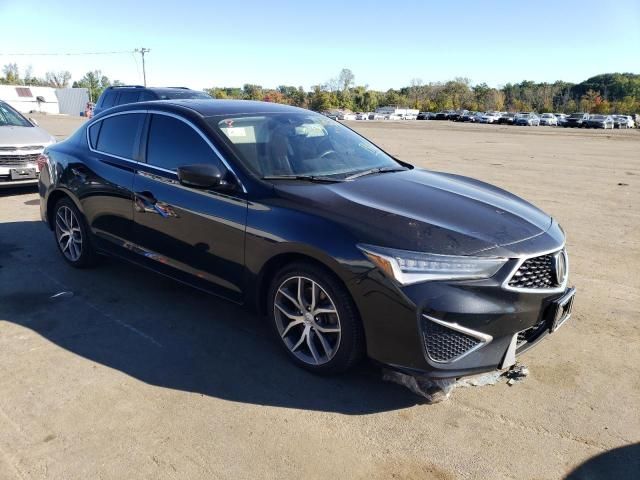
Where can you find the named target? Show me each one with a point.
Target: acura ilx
(345, 250)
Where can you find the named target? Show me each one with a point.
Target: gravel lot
(136, 376)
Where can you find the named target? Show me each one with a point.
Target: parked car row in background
(582, 120)
(531, 119)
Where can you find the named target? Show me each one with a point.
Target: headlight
(413, 267)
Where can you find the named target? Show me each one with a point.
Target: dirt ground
(135, 376)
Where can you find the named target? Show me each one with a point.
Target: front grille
(21, 149)
(536, 272)
(17, 160)
(444, 344)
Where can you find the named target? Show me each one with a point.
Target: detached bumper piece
(446, 342)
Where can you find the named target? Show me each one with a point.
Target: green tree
(96, 83)
(321, 100)
(252, 92)
(11, 74)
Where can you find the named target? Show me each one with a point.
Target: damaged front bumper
(458, 329)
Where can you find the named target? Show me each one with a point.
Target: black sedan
(600, 121)
(578, 120)
(444, 115)
(346, 250)
(506, 119)
(426, 116)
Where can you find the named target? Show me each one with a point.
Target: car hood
(421, 210)
(24, 136)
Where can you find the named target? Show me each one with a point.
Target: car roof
(140, 87)
(209, 107)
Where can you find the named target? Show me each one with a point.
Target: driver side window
(172, 143)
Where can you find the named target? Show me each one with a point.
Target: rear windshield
(182, 94)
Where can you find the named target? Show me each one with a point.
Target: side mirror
(202, 176)
(33, 122)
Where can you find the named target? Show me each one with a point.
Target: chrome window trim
(484, 338)
(168, 114)
(521, 260)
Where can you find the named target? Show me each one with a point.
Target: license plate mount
(22, 173)
(561, 309)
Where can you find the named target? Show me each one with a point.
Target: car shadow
(18, 190)
(619, 463)
(166, 334)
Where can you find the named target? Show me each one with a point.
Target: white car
(409, 116)
(362, 116)
(548, 119)
(393, 116)
(623, 121)
(376, 116)
(346, 116)
(489, 117)
(21, 143)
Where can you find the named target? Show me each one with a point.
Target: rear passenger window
(118, 134)
(94, 130)
(128, 97)
(172, 143)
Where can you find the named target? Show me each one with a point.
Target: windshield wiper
(307, 178)
(371, 171)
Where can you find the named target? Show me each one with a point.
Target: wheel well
(54, 198)
(275, 264)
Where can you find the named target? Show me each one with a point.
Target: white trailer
(28, 99)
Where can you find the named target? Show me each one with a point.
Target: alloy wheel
(307, 320)
(68, 233)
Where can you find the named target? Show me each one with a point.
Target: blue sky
(207, 43)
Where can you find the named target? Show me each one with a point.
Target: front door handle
(146, 203)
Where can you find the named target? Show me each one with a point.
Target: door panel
(194, 234)
(199, 233)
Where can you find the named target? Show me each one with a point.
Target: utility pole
(142, 51)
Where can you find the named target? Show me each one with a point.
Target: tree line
(605, 93)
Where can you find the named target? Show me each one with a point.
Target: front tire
(315, 319)
(72, 235)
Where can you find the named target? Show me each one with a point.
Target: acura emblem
(560, 267)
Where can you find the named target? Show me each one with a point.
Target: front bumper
(496, 323)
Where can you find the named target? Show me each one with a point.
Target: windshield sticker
(235, 132)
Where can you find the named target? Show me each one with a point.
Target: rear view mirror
(202, 176)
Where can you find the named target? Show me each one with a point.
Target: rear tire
(314, 318)
(72, 235)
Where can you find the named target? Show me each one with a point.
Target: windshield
(576, 115)
(547, 115)
(11, 118)
(183, 94)
(305, 144)
(597, 117)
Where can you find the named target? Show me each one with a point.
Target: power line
(63, 54)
